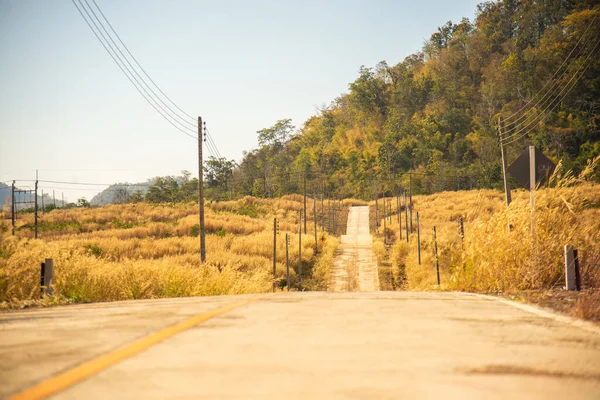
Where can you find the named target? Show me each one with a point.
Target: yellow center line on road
(61, 382)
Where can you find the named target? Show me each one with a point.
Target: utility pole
(504, 167)
(35, 232)
(201, 191)
(63, 199)
(13, 208)
(53, 199)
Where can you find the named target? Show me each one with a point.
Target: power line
(549, 92)
(176, 116)
(574, 78)
(139, 65)
(121, 67)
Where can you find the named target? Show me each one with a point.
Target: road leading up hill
(354, 266)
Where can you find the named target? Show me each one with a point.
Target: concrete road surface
(382, 345)
(354, 266)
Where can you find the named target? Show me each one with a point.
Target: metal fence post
(437, 264)
(287, 261)
(418, 239)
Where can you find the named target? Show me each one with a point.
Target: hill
(533, 65)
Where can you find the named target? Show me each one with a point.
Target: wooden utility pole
(201, 191)
(53, 199)
(504, 168)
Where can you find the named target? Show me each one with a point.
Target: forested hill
(534, 65)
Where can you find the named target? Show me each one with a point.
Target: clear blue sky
(67, 110)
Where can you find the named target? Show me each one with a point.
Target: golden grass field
(493, 258)
(135, 251)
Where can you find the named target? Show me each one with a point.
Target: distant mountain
(120, 192)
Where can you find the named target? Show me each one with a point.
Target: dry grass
(136, 251)
(492, 257)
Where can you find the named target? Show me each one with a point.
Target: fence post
(437, 264)
(315, 218)
(47, 277)
(384, 220)
(461, 231)
(418, 239)
(300, 251)
(577, 272)
(570, 278)
(287, 261)
(411, 202)
(275, 229)
(13, 208)
(406, 216)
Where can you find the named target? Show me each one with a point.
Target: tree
(276, 135)
(82, 202)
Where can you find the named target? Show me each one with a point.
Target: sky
(69, 112)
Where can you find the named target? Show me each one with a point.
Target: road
(379, 345)
(354, 266)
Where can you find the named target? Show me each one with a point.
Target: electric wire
(139, 65)
(175, 114)
(574, 78)
(131, 68)
(123, 68)
(514, 122)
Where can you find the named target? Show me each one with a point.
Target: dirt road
(380, 345)
(355, 266)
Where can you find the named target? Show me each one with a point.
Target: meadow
(498, 252)
(137, 251)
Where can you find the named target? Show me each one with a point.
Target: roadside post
(287, 261)
(47, 278)
(437, 264)
(418, 239)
